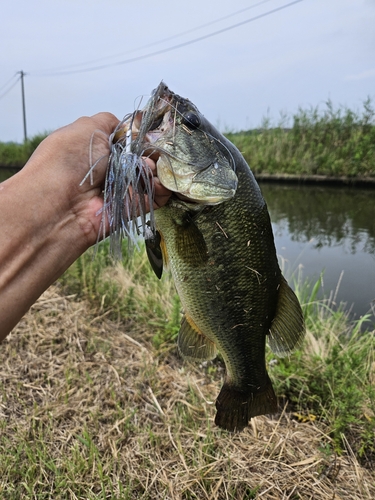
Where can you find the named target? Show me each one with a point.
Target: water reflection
(331, 229)
(330, 216)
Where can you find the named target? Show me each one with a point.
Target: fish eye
(191, 120)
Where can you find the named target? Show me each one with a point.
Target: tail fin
(235, 408)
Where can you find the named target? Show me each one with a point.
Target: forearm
(37, 244)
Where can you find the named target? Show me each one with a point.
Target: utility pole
(23, 105)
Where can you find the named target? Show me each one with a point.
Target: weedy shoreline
(314, 143)
(333, 142)
(95, 403)
(358, 181)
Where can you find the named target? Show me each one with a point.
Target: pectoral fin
(190, 243)
(194, 345)
(288, 327)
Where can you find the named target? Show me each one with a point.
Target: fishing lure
(129, 180)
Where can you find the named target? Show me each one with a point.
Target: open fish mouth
(190, 161)
(141, 122)
(170, 130)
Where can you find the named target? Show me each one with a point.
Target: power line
(10, 79)
(21, 77)
(162, 51)
(173, 47)
(10, 88)
(152, 44)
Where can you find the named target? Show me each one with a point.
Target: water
(330, 229)
(323, 228)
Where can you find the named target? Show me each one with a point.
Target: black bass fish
(216, 237)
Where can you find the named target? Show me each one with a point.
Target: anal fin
(192, 344)
(288, 327)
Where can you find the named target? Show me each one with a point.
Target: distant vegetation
(335, 142)
(332, 142)
(13, 154)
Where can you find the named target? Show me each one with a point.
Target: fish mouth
(150, 125)
(154, 130)
(144, 122)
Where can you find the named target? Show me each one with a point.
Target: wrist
(46, 215)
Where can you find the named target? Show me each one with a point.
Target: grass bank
(332, 142)
(95, 403)
(13, 154)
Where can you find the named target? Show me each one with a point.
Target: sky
(269, 58)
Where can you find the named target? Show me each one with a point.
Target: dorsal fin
(288, 327)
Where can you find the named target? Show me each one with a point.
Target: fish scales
(216, 237)
(230, 295)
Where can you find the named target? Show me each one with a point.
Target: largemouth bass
(216, 237)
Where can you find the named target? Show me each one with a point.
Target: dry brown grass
(88, 409)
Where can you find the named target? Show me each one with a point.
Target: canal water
(324, 229)
(330, 230)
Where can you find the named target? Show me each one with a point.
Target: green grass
(332, 377)
(5, 173)
(95, 403)
(127, 289)
(332, 142)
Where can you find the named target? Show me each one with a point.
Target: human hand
(49, 217)
(63, 160)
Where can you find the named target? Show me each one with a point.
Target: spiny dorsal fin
(154, 252)
(194, 345)
(288, 327)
